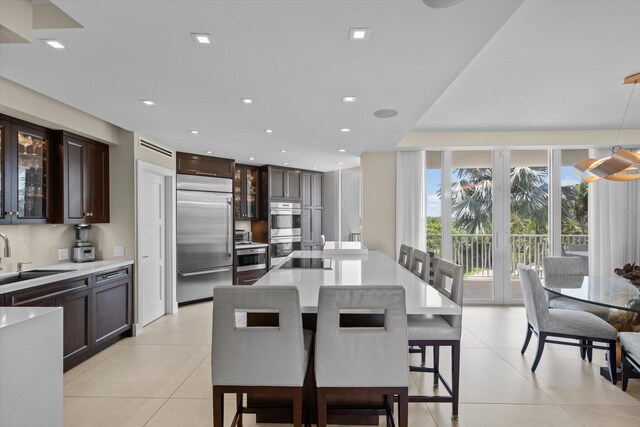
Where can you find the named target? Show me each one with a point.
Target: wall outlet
(63, 254)
(118, 251)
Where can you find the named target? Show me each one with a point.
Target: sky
(433, 181)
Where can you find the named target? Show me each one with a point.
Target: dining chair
(630, 355)
(420, 264)
(404, 259)
(357, 361)
(577, 248)
(437, 331)
(569, 272)
(433, 264)
(585, 327)
(263, 360)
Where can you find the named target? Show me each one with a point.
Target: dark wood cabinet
(311, 210)
(25, 186)
(245, 193)
(82, 172)
(249, 277)
(195, 164)
(98, 310)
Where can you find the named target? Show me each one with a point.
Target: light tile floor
(162, 378)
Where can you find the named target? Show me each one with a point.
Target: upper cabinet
(24, 172)
(245, 192)
(195, 164)
(284, 184)
(82, 174)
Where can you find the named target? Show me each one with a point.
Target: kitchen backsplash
(36, 243)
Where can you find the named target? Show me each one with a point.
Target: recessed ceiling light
(147, 102)
(53, 43)
(247, 100)
(345, 130)
(250, 158)
(283, 151)
(193, 131)
(285, 163)
(358, 34)
(340, 163)
(202, 38)
(314, 168)
(348, 99)
(208, 152)
(342, 150)
(268, 130)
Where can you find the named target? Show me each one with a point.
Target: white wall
(379, 201)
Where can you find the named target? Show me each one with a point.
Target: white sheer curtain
(614, 223)
(410, 200)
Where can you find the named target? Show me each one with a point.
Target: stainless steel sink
(28, 275)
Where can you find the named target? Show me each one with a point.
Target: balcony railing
(475, 252)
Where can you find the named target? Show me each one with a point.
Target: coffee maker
(83, 251)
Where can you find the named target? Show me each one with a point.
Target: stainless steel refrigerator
(204, 217)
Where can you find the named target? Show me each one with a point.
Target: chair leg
(388, 401)
(218, 408)
(423, 355)
(239, 402)
(541, 340)
(455, 379)
(589, 351)
(625, 370)
(297, 408)
(527, 339)
(613, 375)
(403, 408)
(583, 349)
(436, 365)
(322, 408)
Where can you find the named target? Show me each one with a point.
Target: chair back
(535, 301)
(564, 272)
(433, 265)
(404, 259)
(362, 356)
(267, 356)
(446, 270)
(420, 264)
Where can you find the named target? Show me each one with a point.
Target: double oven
(285, 234)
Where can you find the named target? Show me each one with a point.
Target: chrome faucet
(7, 247)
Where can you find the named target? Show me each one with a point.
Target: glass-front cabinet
(24, 173)
(245, 189)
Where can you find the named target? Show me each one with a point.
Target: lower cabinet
(249, 277)
(98, 310)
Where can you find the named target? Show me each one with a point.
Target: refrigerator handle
(231, 235)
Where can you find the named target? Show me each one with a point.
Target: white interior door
(151, 245)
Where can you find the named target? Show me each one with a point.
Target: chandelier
(622, 165)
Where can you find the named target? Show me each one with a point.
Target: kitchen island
(372, 269)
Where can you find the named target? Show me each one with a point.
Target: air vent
(153, 147)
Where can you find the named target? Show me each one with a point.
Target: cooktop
(308, 263)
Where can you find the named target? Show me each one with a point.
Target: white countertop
(375, 268)
(79, 269)
(345, 248)
(10, 316)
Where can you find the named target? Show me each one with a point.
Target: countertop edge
(11, 316)
(81, 269)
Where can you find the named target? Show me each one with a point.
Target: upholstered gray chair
(439, 331)
(569, 272)
(271, 360)
(362, 360)
(572, 324)
(630, 355)
(420, 264)
(404, 259)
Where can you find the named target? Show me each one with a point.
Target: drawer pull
(112, 275)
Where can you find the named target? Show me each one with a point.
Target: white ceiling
(553, 65)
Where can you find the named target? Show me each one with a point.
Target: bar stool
(436, 331)
(405, 256)
(357, 361)
(420, 264)
(264, 360)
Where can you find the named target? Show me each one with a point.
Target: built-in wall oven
(251, 259)
(285, 219)
(282, 247)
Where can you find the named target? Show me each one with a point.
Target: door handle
(199, 273)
